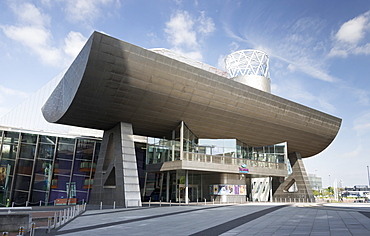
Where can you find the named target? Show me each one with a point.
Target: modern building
(174, 130)
(315, 181)
(40, 168)
(187, 109)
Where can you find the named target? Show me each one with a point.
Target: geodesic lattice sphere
(247, 62)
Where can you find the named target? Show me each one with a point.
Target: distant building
(358, 188)
(358, 191)
(315, 181)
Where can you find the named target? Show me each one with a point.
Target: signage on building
(227, 189)
(243, 169)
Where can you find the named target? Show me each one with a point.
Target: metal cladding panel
(125, 83)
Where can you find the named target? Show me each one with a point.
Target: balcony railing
(200, 157)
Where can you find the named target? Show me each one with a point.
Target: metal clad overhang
(123, 82)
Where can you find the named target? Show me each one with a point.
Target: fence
(59, 219)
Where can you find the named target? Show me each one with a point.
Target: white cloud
(347, 40)
(12, 92)
(32, 32)
(205, 24)
(38, 39)
(28, 14)
(185, 33)
(86, 11)
(352, 31)
(180, 30)
(73, 43)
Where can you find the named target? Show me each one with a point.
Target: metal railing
(200, 157)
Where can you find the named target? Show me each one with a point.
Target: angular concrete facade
(112, 81)
(116, 179)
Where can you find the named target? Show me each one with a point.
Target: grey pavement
(243, 219)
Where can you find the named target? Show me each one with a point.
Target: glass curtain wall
(37, 168)
(43, 168)
(9, 150)
(161, 150)
(24, 166)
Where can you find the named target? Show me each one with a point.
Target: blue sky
(319, 53)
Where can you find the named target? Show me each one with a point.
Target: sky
(319, 53)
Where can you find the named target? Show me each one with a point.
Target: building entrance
(193, 192)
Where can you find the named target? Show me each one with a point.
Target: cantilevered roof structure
(112, 81)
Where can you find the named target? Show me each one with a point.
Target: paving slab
(243, 219)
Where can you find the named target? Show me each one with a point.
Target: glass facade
(42, 168)
(232, 154)
(162, 150)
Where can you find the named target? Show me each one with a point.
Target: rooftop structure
(250, 67)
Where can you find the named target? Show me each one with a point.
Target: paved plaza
(243, 219)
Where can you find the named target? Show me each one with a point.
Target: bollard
(64, 216)
(67, 215)
(12, 204)
(197, 202)
(26, 203)
(160, 203)
(170, 203)
(205, 201)
(114, 205)
(149, 202)
(101, 205)
(40, 202)
(179, 202)
(49, 225)
(21, 230)
(213, 201)
(59, 221)
(55, 219)
(32, 231)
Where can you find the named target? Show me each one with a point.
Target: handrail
(200, 157)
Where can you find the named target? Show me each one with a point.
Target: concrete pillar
(182, 141)
(116, 178)
(168, 187)
(186, 187)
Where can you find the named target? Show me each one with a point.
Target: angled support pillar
(297, 185)
(116, 178)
